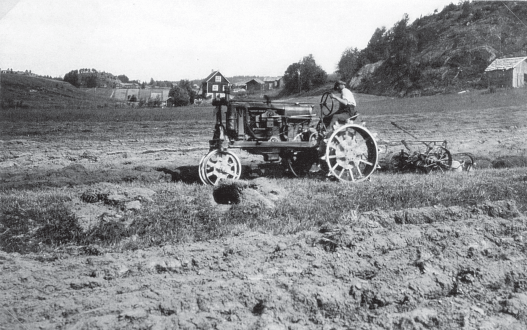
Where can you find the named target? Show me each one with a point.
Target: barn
(214, 85)
(255, 86)
(507, 72)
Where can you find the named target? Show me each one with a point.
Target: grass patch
(38, 220)
(32, 222)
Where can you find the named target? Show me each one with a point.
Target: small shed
(270, 83)
(507, 72)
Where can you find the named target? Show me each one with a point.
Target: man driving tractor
(346, 108)
(345, 111)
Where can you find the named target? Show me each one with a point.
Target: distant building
(255, 85)
(507, 72)
(125, 94)
(269, 83)
(214, 85)
(279, 82)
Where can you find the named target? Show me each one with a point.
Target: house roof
(212, 74)
(257, 80)
(505, 63)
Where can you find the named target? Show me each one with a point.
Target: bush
(180, 97)
(29, 229)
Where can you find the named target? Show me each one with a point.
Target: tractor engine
(259, 121)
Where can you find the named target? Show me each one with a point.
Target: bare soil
(430, 268)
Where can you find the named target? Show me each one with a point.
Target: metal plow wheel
(351, 153)
(219, 165)
(438, 158)
(398, 162)
(466, 161)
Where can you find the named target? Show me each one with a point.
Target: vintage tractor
(290, 133)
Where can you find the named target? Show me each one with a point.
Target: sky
(188, 39)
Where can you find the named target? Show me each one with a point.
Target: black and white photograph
(263, 165)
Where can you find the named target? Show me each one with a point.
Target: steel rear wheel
(219, 165)
(351, 153)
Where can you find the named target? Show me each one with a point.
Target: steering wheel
(325, 105)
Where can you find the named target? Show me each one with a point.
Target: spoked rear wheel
(351, 153)
(219, 165)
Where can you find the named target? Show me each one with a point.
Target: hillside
(443, 52)
(22, 91)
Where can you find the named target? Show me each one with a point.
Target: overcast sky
(186, 39)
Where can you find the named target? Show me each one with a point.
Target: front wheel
(351, 153)
(219, 165)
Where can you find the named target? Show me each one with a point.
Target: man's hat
(339, 82)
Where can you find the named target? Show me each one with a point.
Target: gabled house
(214, 85)
(507, 72)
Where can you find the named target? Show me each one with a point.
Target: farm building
(507, 72)
(125, 94)
(214, 85)
(255, 85)
(270, 83)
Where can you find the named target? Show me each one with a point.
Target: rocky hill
(446, 51)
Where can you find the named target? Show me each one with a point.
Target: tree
(403, 42)
(187, 86)
(123, 78)
(179, 96)
(72, 77)
(152, 82)
(91, 81)
(377, 48)
(304, 75)
(349, 63)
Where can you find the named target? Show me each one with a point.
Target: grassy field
(36, 219)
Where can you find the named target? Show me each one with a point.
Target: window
(214, 88)
(218, 79)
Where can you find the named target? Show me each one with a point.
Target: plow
(434, 157)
